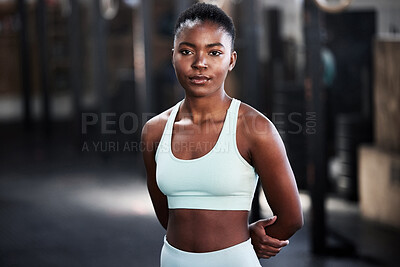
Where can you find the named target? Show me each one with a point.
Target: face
(202, 57)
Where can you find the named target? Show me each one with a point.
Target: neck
(202, 108)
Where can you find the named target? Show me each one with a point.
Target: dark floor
(63, 208)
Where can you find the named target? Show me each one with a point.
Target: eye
(185, 52)
(215, 53)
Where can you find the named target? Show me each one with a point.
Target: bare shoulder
(153, 128)
(255, 125)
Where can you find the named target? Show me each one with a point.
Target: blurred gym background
(79, 78)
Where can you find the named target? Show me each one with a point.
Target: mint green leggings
(240, 255)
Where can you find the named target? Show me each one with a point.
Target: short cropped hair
(206, 12)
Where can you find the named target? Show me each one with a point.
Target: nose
(199, 61)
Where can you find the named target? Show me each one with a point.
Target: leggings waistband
(238, 247)
(240, 255)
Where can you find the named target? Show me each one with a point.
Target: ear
(172, 57)
(232, 63)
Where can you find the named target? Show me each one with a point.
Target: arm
(150, 137)
(268, 155)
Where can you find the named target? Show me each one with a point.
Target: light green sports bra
(220, 180)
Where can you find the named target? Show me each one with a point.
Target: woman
(203, 158)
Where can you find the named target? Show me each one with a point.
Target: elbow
(292, 228)
(298, 223)
(284, 228)
(295, 224)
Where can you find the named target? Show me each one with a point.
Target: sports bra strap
(233, 116)
(172, 117)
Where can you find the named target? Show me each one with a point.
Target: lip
(199, 79)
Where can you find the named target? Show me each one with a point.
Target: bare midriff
(195, 230)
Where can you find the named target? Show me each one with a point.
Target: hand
(264, 245)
